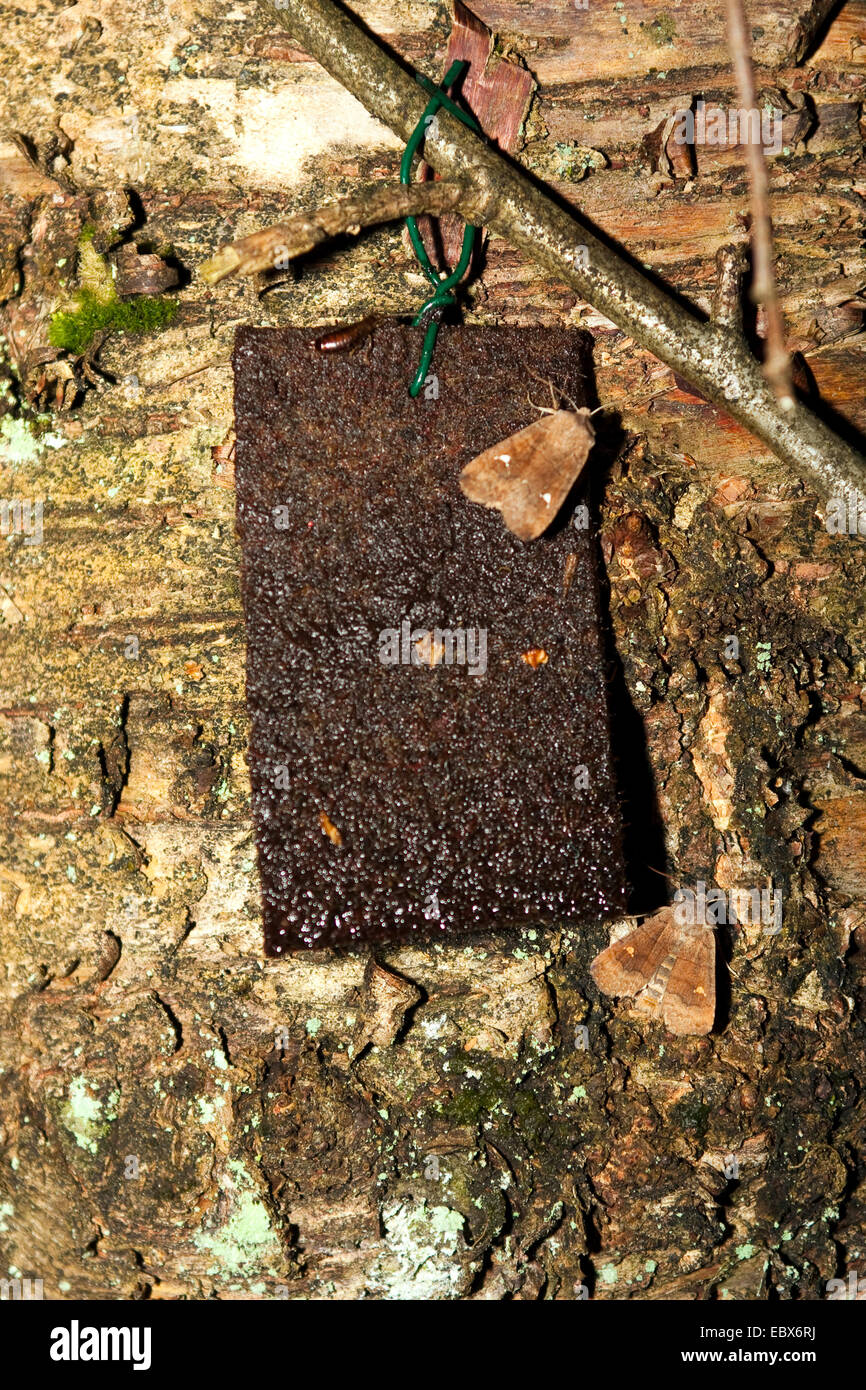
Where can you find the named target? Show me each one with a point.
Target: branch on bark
(714, 357)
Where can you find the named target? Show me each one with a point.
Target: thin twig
(777, 364)
(273, 247)
(727, 296)
(713, 358)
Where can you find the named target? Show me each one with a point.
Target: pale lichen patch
(247, 1240)
(87, 1117)
(423, 1257)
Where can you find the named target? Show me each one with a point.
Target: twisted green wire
(444, 295)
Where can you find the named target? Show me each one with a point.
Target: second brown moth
(670, 968)
(528, 476)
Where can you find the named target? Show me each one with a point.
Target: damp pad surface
(470, 785)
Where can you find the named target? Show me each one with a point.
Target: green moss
(531, 1115)
(74, 329)
(496, 1097)
(662, 29)
(693, 1113)
(97, 308)
(469, 1105)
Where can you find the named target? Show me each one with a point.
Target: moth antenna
(564, 397)
(653, 870)
(556, 395)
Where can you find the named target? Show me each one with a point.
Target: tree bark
(181, 1117)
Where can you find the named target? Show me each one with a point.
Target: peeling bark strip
(715, 360)
(496, 92)
(413, 773)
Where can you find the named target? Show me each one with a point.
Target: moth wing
(630, 963)
(528, 476)
(689, 1002)
(558, 449)
(500, 476)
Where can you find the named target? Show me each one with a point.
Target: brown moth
(670, 966)
(528, 476)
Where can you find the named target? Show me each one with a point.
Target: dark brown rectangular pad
(394, 801)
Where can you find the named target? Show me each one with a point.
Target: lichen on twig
(273, 247)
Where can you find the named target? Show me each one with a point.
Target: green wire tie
(444, 296)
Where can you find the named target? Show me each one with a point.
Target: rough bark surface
(182, 1118)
